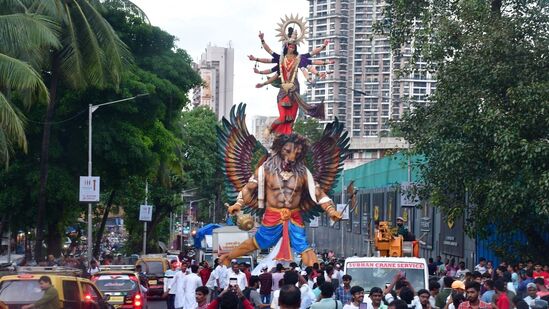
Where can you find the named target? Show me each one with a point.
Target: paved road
(157, 304)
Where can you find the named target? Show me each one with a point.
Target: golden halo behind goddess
(297, 36)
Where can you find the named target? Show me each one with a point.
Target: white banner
(145, 213)
(89, 189)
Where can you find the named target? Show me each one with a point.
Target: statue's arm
(245, 197)
(322, 47)
(269, 81)
(326, 203)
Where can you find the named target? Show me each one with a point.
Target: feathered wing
(328, 155)
(237, 150)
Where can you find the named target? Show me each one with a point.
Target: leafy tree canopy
(485, 132)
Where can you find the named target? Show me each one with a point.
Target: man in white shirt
(357, 294)
(94, 268)
(241, 280)
(190, 283)
(219, 279)
(481, 267)
(177, 287)
(169, 277)
(460, 273)
(307, 295)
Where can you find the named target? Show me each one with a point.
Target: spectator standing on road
(277, 275)
(540, 284)
(488, 295)
(473, 302)
(501, 300)
(290, 278)
(50, 299)
(289, 298)
(423, 296)
(201, 294)
(235, 272)
(326, 300)
(357, 298)
(481, 266)
(319, 281)
(250, 292)
(460, 273)
(532, 291)
(432, 267)
(190, 283)
(440, 299)
(244, 268)
(169, 292)
(343, 293)
(266, 285)
(434, 289)
(307, 295)
(527, 278)
(94, 268)
(218, 279)
(205, 272)
(375, 298)
(230, 298)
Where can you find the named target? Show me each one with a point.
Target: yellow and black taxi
(123, 287)
(74, 292)
(153, 267)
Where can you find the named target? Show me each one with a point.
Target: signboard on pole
(344, 210)
(89, 189)
(314, 222)
(145, 213)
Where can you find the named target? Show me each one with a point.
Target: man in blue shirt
(343, 293)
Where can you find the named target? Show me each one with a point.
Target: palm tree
(91, 54)
(22, 34)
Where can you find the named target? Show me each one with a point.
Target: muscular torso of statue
(284, 193)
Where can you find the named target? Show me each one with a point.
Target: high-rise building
(259, 124)
(367, 88)
(216, 68)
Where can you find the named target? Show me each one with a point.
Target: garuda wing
(240, 154)
(328, 154)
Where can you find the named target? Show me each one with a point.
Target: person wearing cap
(532, 290)
(266, 285)
(402, 229)
(357, 298)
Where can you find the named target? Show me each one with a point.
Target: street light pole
(190, 214)
(91, 109)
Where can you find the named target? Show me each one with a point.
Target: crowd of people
(325, 286)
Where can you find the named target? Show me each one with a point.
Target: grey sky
(199, 22)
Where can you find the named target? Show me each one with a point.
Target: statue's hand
(335, 215)
(234, 209)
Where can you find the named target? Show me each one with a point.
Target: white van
(369, 272)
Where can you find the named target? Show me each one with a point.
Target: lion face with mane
(288, 154)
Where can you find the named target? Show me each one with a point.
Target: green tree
(91, 54)
(485, 132)
(21, 35)
(309, 127)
